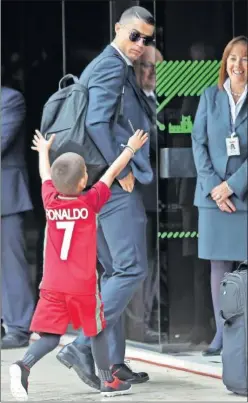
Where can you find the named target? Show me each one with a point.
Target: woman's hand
(221, 192)
(226, 206)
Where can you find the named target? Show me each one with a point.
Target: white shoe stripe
(17, 390)
(116, 393)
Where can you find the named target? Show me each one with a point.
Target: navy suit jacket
(211, 128)
(104, 77)
(14, 184)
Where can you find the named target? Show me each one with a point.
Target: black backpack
(64, 114)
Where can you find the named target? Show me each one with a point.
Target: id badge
(232, 145)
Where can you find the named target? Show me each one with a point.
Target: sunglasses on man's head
(135, 36)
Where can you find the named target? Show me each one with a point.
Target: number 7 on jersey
(68, 227)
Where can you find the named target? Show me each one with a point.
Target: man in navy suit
(122, 222)
(17, 297)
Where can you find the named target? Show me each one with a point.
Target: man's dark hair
(66, 172)
(137, 12)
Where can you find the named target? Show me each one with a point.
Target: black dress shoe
(81, 362)
(124, 373)
(211, 352)
(13, 340)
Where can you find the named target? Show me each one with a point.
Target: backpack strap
(243, 266)
(64, 80)
(120, 105)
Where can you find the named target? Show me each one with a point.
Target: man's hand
(220, 193)
(127, 183)
(226, 206)
(40, 143)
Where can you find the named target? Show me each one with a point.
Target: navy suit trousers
(122, 253)
(17, 295)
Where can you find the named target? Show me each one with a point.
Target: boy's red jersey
(70, 239)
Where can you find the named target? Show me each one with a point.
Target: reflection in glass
(191, 64)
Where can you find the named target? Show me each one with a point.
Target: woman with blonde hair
(220, 143)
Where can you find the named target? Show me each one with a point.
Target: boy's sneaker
(19, 381)
(115, 388)
(124, 373)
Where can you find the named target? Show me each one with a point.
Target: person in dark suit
(222, 185)
(146, 78)
(122, 221)
(17, 297)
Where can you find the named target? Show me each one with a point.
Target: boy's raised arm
(42, 146)
(134, 144)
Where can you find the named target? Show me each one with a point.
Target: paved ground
(50, 381)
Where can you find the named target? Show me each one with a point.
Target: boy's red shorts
(56, 310)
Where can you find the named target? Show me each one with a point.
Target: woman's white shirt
(235, 108)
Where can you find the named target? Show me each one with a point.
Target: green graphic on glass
(177, 234)
(183, 78)
(185, 126)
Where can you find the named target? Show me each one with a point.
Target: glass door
(191, 36)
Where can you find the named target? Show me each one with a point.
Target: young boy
(69, 291)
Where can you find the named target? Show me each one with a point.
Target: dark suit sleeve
(13, 115)
(105, 86)
(207, 176)
(153, 138)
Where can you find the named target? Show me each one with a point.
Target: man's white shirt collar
(150, 94)
(128, 61)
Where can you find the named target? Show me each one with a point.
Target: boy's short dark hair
(137, 12)
(67, 171)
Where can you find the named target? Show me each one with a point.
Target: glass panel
(43, 68)
(87, 30)
(187, 32)
(240, 12)
(32, 52)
